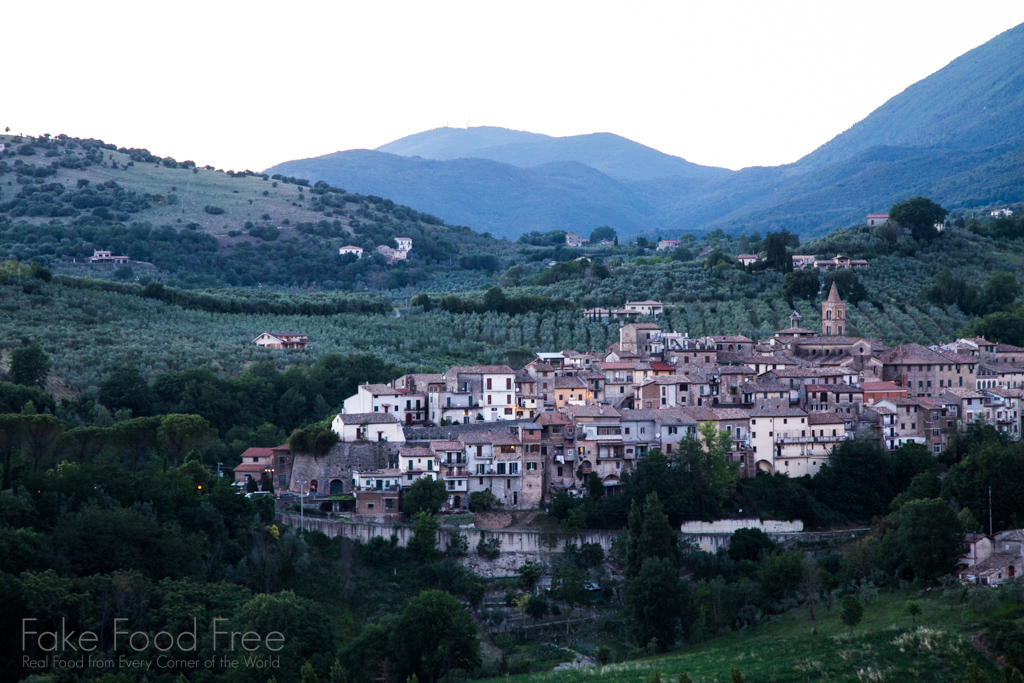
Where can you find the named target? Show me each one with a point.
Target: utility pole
(989, 510)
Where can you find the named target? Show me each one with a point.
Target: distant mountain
(611, 154)
(486, 195)
(457, 143)
(955, 136)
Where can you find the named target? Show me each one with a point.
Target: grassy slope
(884, 647)
(240, 196)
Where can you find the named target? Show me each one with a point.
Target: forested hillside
(61, 198)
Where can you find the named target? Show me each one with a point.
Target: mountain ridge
(954, 135)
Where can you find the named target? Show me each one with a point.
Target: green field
(885, 646)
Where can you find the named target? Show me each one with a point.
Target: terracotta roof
(591, 411)
(963, 393)
(881, 386)
(825, 418)
(251, 467)
(257, 453)
(494, 438)
(674, 416)
(415, 451)
(446, 445)
(731, 413)
(777, 412)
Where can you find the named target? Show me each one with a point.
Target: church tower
(833, 314)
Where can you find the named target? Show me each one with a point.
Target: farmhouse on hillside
(281, 340)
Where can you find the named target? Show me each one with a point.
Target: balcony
(790, 437)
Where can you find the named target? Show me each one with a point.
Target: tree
(856, 481)
(1000, 290)
(655, 599)
(30, 365)
(83, 442)
(851, 611)
(136, 436)
(919, 215)
(41, 434)
(569, 586)
(435, 634)
(11, 428)
(528, 575)
(777, 256)
(914, 610)
(748, 543)
(316, 439)
(849, 285)
(537, 607)
(423, 543)
(603, 233)
(127, 388)
(483, 501)
(649, 535)
(928, 537)
(178, 434)
(425, 494)
(801, 284)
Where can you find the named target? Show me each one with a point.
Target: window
(508, 384)
(488, 384)
(559, 470)
(513, 468)
(531, 466)
(389, 504)
(501, 468)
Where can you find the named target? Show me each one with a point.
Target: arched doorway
(457, 503)
(337, 487)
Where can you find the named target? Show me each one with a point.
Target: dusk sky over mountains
(731, 85)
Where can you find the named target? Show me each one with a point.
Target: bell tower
(833, 314)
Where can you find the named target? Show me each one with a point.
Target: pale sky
(250, 84)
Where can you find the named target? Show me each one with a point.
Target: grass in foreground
(885, 646)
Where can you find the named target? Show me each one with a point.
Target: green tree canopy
(435, 634)
(426, 494)
(179, 434)
(125, 387)
(801, 284)
(851, 290)
(30, 365)
(603, 233)
(919, 215)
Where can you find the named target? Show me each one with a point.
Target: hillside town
(566, 416)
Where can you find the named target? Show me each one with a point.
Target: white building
(479, 390)
(407, 406)
(349, 249)
(368, 427)
(404, 243)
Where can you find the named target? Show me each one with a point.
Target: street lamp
(302, 504)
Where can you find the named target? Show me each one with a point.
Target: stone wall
(729, 526)
(343, 459)
(517, 545)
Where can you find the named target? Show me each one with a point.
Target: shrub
(213, 210)
(489, 548)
